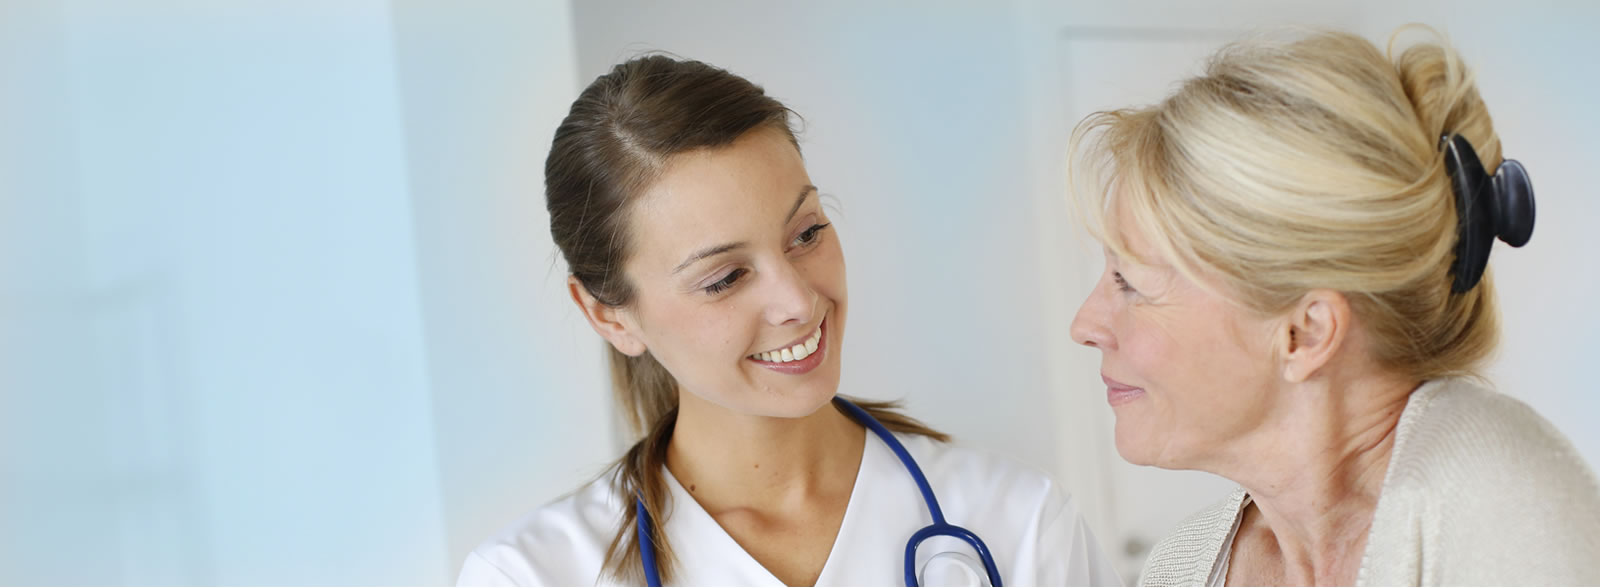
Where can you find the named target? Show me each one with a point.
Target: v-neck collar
(884, 510)
(708, 556)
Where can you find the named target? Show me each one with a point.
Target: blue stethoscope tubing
(647, 546)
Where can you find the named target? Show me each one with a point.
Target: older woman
(1296, 297)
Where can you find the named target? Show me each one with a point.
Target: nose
(793, 301)
(1090, 327)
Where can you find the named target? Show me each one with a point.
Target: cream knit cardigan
(1480, 491)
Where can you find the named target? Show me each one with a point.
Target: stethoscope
(939, 528)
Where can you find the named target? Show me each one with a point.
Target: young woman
(700, 253)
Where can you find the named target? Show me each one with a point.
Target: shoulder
(1460, 436)
(562, 543)
(966, 474)
(1186, 555)
(1488, 486)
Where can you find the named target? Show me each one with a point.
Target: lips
(796, 350)
(813, 346)
(1118, 393)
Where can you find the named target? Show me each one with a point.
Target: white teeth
(798, 352)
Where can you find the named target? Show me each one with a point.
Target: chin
(798, 400)
(802, 396)
(805, 400)
(1133, 445)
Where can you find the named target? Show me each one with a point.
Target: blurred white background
(278, 303)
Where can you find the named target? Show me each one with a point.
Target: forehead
(1135, 241)
(1129, 238)
(715, 196)
(716, 182)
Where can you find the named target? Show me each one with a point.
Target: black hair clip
(1487, 207)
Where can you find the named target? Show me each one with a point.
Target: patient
(1297, 297)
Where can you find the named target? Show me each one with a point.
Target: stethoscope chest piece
(952, 568)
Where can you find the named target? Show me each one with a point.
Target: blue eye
(726, 282)
(809, 236)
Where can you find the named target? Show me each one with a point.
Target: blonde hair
(1303, 163)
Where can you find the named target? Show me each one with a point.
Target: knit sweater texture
(1480, 490)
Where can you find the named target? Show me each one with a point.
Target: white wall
(278, 300)
(224, 278)
(521, 406)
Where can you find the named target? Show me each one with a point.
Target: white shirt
(1030, 525)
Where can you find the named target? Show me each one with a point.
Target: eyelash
(806, 238)
(1122, 284)
(726, 282)
(809, 236)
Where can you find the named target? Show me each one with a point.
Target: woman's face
(736, 271)
(1189, 375)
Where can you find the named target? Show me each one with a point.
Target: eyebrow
(726, 247)
(806, 191)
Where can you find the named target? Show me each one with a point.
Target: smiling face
(1190, 375)
(739, 279)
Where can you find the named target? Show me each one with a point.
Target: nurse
(700, 252)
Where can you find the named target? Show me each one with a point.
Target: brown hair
(615, 141)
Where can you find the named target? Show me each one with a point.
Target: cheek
(1184, 365)
(824, 270)
(1214, 379)
(826, 264)
(719, 332)
(1149, 349)
(689, 337)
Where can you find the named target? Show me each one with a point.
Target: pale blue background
(278, 303)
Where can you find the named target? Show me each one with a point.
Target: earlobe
(607, 321)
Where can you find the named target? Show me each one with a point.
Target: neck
(730, 460)
(1316, 472)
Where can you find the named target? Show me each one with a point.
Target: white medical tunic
(1030, 525)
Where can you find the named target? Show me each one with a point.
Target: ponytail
(648, 396)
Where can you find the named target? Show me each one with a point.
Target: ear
(606, 320)
(1315, 331)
